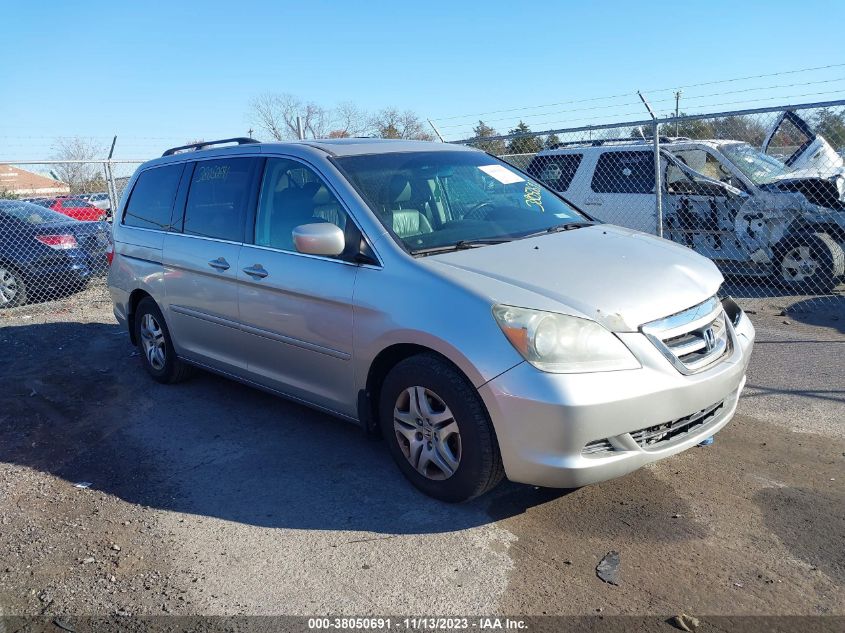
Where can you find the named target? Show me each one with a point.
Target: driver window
(292, 194)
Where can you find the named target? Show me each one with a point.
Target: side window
(218, 198)
(624, 172)
(151, 200)
(292, 194)
(704, 163)
(557, 171)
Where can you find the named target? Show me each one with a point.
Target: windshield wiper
(460, 245)
(557, 228)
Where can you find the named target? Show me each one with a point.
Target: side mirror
(320, 238)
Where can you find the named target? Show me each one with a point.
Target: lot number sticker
(502, 174)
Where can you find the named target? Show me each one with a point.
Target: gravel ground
(212, 498)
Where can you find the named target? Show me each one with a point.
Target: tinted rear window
(556, 172)
(624, 172)
(151, 202)
(218, 197)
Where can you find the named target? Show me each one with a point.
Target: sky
(162, 73)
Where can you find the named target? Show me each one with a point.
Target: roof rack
(619, 141)
(240, 140)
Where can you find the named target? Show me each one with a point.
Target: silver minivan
(433, 294)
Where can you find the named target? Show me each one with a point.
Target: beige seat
(406, 220)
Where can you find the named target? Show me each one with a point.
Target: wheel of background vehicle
(154, 343)
(438, 431)
(809, 262)
(12, 287)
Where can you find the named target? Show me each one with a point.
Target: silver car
(435, 295)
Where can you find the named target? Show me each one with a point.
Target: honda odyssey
(431, 293)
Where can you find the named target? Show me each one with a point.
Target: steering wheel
(479, 211)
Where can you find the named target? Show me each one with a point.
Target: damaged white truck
(777, 212)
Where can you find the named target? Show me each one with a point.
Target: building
(21, 182)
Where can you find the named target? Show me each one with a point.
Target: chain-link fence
(55, 225)
(760, 192)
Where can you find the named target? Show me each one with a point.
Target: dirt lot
(212, 498)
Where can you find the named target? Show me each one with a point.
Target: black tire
(826, 262)
(480, 466)
(173, 369)
(12, 281)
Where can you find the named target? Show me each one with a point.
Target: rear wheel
(156, 347)
(12, 287)
(809, 263)
(438, 431)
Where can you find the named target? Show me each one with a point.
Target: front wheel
(438, 430)
(809, 263)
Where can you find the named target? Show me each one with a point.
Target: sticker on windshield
(501, 173)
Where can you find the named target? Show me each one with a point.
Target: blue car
(44, 254)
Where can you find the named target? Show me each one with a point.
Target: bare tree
(349, 120)
(80, 177)
(276, 114)
(390, 123)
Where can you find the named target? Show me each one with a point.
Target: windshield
(757, 166)
(30, 213)
(432, 200)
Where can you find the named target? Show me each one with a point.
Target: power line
(653, 90)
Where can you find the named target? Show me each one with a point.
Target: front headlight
(563, 344)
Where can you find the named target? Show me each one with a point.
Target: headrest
(323, 196)
(400, 189)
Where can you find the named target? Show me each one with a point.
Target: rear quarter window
(556, 172)
(624, 172)
(151, 202)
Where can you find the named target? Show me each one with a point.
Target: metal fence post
(658, 185)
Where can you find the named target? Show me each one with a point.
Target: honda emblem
(709, 339)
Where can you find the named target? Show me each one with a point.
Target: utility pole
(658, 197)
(249, 132)
(677, 110)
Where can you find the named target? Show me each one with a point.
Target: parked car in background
(72, 207)
(44, 254)
(101, 201)
(486, 327)
(746, 210)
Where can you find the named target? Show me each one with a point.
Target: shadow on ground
(78, 404)
(820, 311)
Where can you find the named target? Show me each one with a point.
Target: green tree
(740, 128)
(691, 128)
(552, 140)
(526, 143)
(482, 131)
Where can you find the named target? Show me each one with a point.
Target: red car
(75, 208)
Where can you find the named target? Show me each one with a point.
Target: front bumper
(544, 421)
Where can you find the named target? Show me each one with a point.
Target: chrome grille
(694, 339)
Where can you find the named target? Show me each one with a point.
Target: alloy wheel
(798, 264)
(8, 287)
(152, 340)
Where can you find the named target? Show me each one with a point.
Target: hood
(822, 191)
(618, 277)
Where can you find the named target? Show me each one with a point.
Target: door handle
(593, 202)
(219, 264)
(257, 271)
